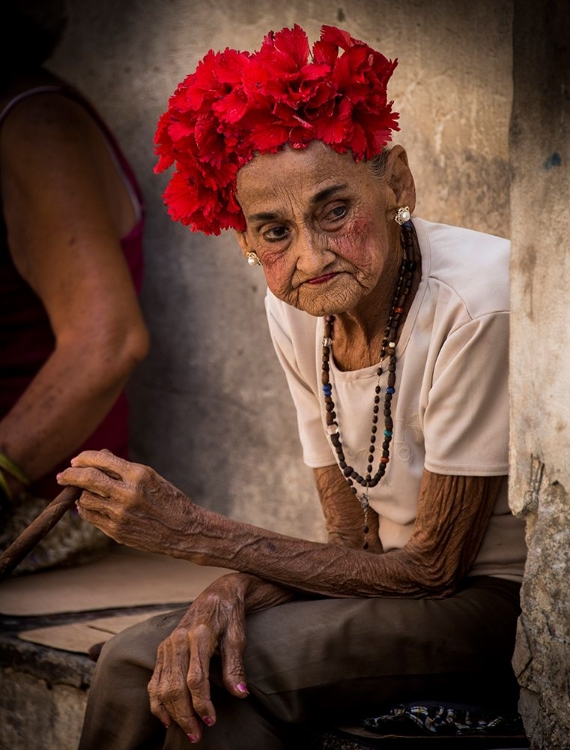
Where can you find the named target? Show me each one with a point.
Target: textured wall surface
(540, 428)
(210, 406)
(37, 714)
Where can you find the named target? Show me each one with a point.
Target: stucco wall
(210, 406)
(540, 353)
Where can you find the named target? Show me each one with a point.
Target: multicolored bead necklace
(388, 347)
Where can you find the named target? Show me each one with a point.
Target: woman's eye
(275, 234)
(337, 212)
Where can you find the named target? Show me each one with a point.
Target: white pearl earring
(252, 259)
(403, 215)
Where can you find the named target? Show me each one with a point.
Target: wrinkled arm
(139, 508)
(453, 514)
(344, 518)
(61, 202)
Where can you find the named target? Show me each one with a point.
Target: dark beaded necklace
(387, 348)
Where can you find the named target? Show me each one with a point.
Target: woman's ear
(399, 178)
(242, 242)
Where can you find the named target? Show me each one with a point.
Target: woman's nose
(313, 252)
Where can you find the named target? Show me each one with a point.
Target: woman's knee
(137, 645)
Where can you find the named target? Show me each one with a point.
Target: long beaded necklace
(388, 347)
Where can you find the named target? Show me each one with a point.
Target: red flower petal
(287, 43)
(325, 53)
(337, 37)
(235, 104)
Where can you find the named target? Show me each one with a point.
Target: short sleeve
(467, 414)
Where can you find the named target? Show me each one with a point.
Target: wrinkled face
(321, 224)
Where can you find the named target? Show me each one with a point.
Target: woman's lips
(322, 279)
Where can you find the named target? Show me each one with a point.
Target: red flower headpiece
(236, 104)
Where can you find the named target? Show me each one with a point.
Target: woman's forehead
(305, 173)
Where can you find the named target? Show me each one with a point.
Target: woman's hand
(179, 689)
(129, 502)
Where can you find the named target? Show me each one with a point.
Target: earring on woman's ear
(403, 215)
(252, 259)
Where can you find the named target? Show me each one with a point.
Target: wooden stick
(37, 530)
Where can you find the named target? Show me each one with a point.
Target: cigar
(37, 530)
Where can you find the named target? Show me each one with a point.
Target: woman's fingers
(104, 474)
(95, 471)
(198, 676)
(104, 460)
(232, 648)
(113, 466)
(157, 708)
(170, 699)
(93, 480)
(107, 475)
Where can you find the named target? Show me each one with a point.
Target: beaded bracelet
(5, 488)
(13, 469)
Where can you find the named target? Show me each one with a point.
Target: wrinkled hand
(129, 502)
(179, 689)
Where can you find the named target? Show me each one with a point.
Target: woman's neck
(358, 333)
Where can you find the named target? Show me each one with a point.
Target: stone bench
(43, 694)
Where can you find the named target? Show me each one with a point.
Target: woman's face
(321, 224)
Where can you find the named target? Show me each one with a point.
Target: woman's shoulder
(42, 128)
(26, 86)
(470, 264)
(461, 239)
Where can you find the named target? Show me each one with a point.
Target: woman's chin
(318, 301)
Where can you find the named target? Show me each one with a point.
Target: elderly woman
(393, 334)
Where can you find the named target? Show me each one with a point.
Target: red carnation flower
(236, 104)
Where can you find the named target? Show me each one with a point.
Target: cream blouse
(450, 409)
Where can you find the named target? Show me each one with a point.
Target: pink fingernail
(192, 738)
(242, 688)
(208, 721)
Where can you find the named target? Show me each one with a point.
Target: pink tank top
(26, 338)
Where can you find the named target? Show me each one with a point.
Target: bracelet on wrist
(6, 494)
(13, 470)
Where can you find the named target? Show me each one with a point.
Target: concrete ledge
(43, 691)
(43, 694)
